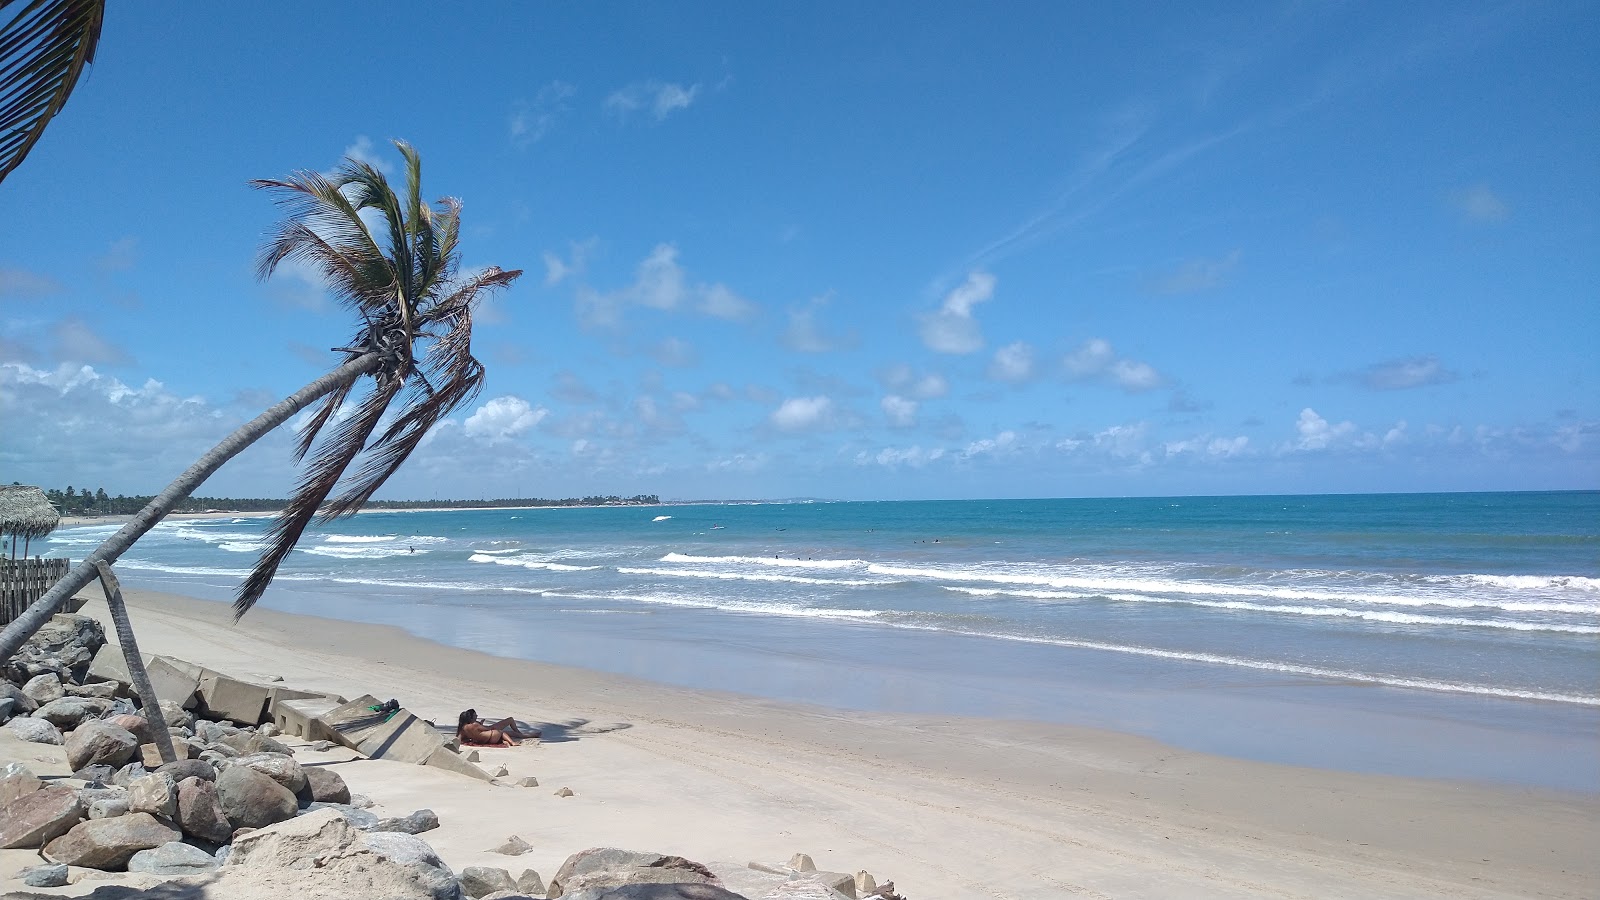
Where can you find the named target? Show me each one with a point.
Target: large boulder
(253, 800)
(609, 867)
(34, 819)
(326, 785)
(418, 858)
(38, 731)
(16, 780)
(416, 823)
(70, 712)
(248, 743)
(65, 646)
(138, 726)
(109, 843)
(22, 704)
(348, 863)
(156, 794)
(173, 858)
(479, 880)
(282, 769)
(666, 891)
(190, 768)
(100, 743)
(200, 812)
(359, 818)
(41, 689)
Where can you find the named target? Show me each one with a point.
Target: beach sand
(945, 807)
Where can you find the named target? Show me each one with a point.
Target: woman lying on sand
(501, 733)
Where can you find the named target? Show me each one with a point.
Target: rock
(199, 811)
(479, 880)
(501, 772)
(37, 731)
(71, 712)
(41, 689)
(156, 794)
(16, 780)
(530, 883)
(416, 823)
(105, 690)
(138, 726)
(44, 876)
(65, 645)
(128, 774)
(842, 882)
(414, 854)
(323, 746)
(326, 785)
(253, 800)
(866, 885)
(212, 732)
(110, 808)
(513, 846)
(110, 666)
(275, 861)
(474, 756)
(282, 769)
(21, 704)
(89, 795)
(268, 730)
(173, 858)
(609, 867)
(173, 713)
(360, 818)
(109, 843)
(800, 862)
(527, 781)
(673, 891)
(804, 889)
(508, 895)
(36, 818)
(97, 775)
(247, 743)
(361, 801)
(565, 792)
(189, 768)
(7, 706)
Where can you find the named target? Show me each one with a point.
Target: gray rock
(156, 794)
(71, 712)
(282, 769)
(268, 730)
(16, 780)
(530, 883)
(106, 690)
(109, 843)
(609, 867)
(801, 862)
(510, 895)
(414, 854)
(34, 819)
(361, 801)
(252, 800)
(805, 889)
(565, 792)
(513, 846)
(527, 781)
(38, 731)
(200, 812)
(322, 746)
(20, 704)
(129, 773)
(98, 776)
(326, 785)
(246, 743)
(418, 822)
(138, 726)
(173, 858)
(91, 794)
(41, 689)
(100, 743)
(7, 706)
(65, 645)
(360, 818)
(175, 715)
(479, 880)
(212, 732)
(44, 876)
(110, 808)
(190, 768)
(669, 891)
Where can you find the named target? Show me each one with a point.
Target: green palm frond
(44, 47)
(416, 313)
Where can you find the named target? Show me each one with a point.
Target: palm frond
(44, 48)
(313, 427)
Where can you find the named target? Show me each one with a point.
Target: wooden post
(136, 672)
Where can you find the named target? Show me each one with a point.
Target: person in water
(504, 732)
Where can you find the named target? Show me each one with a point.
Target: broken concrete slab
(225, 697)
(174, 679)
(302, 717)
(443, 758)
(403, 738)
(349, 723)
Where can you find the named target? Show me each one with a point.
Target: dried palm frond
(44, 47)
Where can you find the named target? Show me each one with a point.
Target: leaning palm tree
(44, 46)
(411, 354)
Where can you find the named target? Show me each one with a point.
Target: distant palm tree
(413, 340)
(44, 47)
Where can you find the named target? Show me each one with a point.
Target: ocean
(1453, 635)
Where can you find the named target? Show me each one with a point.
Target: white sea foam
(527, 563)
(126, 563)
(1410, 602)
(359, 538)
(358, 552)
(783, 562)
(1394, 618)
(660, 518)
(1537, 582)
(725, 605)
(745, 576)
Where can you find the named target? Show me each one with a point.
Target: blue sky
(849, 250)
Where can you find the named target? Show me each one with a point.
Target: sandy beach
(945, 807)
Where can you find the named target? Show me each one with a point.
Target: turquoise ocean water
(1230, 623)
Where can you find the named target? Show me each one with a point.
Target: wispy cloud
(121, 256)
(363, 150)
(1195, 275)
(1402, 374)
(806, 335)
(75, 342)
(1478, 203)
(558, 269)
(1012, 363)
(661, 283)
(531, 120)
(952, 328)
(902, 379)
(901, 412)
(23, 283)
(1096, 360)
(658, 98)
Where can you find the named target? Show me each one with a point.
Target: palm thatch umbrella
(25, 512)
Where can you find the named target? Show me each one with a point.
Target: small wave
(725, 605)
(359, 538)
(1537, 582)
(358, 552)
(765, 561)
(1394, 618)
(746, 576)
(528, 563)
(660, 518)
(126, 563)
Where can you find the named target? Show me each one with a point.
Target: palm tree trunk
(148, 700)
(24, 626)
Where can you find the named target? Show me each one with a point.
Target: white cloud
(659, 98)
(804, 335)
(952, 329)
(892, 457)
(557, 269)
(902, 379)
(1095, 360)
(1013, 363)
(363, 150)
(661, 283)
(75, 342)
(672, 351)
(1123, 441)
(531, 120)
(803, 413)
(1196, 275)
(298, 283)
(1208, 446)
(902, 412)
(1480, 204)
(1317, 433)
(22, 283)
(1402, 374)
(718, 301)
(1001, 443)
(503, 418)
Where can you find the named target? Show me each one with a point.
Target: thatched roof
(26, 512)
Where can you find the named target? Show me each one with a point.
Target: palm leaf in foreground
(44, 47)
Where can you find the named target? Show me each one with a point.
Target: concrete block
(174, 679)
(225, 697)
(403, 738)
(301, 718)
(442, 758)
(109, 665)
(350, 722)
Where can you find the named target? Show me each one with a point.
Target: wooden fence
(23, 581)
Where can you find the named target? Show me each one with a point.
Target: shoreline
(79, 521)
(946, 806)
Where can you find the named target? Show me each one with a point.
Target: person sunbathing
(472, 730)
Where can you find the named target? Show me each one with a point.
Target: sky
(844, 250)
